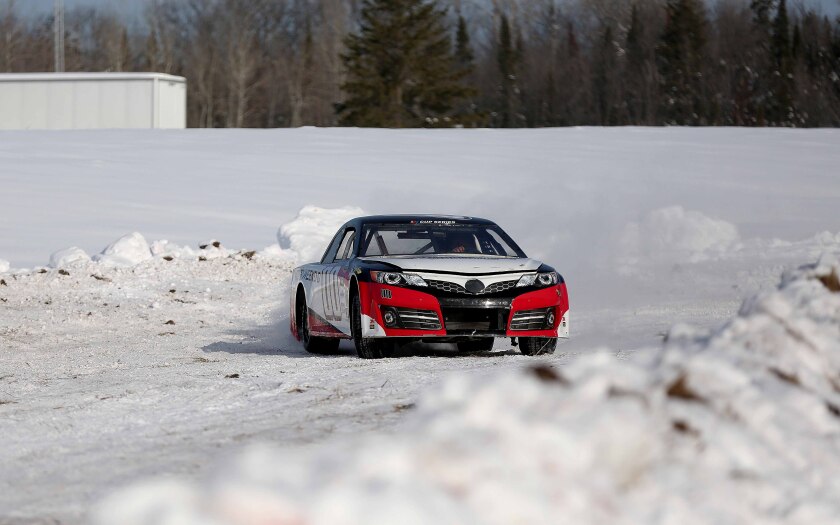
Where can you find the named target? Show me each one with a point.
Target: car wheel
(366, 347)
(312, 344)
(537, 345)
(484, 344)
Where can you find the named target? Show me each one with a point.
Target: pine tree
(401, 71)
(463, 49)
(508, 61)
(781, 104)
(680, 58)
(762, 64)
(761, 13)
(634, 70)
(604, 84)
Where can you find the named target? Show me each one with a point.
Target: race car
(385, 281)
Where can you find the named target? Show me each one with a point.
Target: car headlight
(538, 279)
(398, 279)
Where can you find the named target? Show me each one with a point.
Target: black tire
(312, 344)
(485, 344)
(537, 345)
(367, 348)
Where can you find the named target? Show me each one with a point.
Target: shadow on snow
(275, 338)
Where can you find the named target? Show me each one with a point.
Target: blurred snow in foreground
(736, 426)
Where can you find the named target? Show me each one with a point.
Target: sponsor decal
(437, 223)
(386, 294)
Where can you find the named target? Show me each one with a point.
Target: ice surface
(739, 426)
(4, 266)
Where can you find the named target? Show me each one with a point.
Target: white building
(92, 101)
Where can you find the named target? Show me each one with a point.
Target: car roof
(411, 219)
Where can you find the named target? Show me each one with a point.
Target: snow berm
(739, 425)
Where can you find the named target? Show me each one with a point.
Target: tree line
(437, 63)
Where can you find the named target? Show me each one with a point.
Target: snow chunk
(129, 250)
(4, 266)
(674, 234)
(737, 426)
(305, 238)
(68, 258)
(169, 249)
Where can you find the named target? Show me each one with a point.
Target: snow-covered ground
(651, 227)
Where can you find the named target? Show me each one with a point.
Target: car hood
(463, 264)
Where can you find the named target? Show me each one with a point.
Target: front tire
(537, 345)
(367, 347)
(312, 344)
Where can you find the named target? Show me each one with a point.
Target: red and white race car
(385, 281)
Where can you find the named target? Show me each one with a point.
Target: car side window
(329, 255)
(345, 249)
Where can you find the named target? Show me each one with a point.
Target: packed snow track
(172, 361)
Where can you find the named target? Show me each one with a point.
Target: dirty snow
(737, 426)
(165, 358)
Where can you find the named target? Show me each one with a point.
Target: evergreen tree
(604, 84)
(634, 70)
(781, 104)
(463, 48)
(467, 110)
(508, 61)
(762, 64)
(401, 71)
(761, 13)
(680, 59)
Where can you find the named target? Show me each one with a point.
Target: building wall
(172, 107)
(92, 101)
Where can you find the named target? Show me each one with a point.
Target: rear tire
(367, 347)
(312, 344)
(537, 345)
(484, 344)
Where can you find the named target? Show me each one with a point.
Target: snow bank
(737, 426)
(305, 238)
(129, 250)
(69, 257)
(674, 234)
(4, 266)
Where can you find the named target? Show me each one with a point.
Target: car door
(336, 282)
(316, 275)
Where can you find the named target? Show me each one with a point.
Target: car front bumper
(393, 311)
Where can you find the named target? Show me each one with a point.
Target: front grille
(529, 319)
(418, 319)
(469, 321)
(454, 288)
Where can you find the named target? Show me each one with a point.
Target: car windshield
(437, 239)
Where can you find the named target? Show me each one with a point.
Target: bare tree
(11, 37)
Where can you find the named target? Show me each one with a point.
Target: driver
(461, 243)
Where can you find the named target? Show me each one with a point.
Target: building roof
(65, 77)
